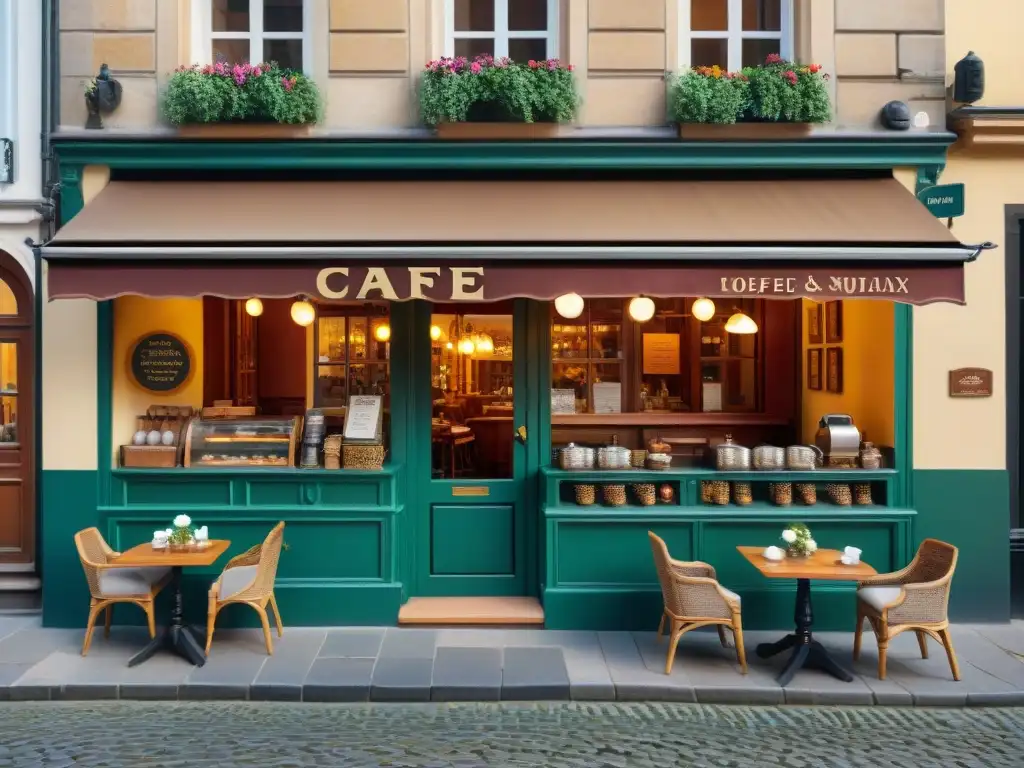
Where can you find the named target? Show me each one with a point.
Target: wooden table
(807, 652)
(176, 637)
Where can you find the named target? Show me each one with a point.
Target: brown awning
(777, 238)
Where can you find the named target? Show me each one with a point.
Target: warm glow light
(485, 344)
(254, 307)
(449, 345)
(641, 309)
(703, 309)
(466, 347)
(435, 332)
(740, 323)
(303, 313)
(569, 305)
(382, 333)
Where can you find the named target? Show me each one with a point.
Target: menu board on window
(661, 353)
(712, 396)
(363, 419)
(608, 397)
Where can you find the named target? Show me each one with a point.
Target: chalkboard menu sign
(160, 362)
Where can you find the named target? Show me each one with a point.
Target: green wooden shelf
(755, 511)
(264, 472)
(611, 476)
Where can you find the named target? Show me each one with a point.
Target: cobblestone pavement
(222, 734)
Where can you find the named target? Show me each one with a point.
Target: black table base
(806, 651)
(176, 637)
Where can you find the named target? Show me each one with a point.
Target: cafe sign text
(399, 283)
(811, 285)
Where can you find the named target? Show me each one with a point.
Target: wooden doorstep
(473, 611)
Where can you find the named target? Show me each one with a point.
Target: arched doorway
(17, 418)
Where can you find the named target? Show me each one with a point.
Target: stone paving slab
(444, 665)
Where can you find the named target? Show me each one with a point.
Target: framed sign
(834, 370)
(563, 401)
(814, 369)
(608, 397)
(661, 353)
(815, 331)
(160, 362)
(970, 382)
(833, 322)
(363, 419)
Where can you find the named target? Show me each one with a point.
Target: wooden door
(17, 418)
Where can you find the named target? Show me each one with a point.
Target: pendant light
(254, 307)
(435, 332)
(467, 347)
(303, 313)
(641, 309)
(449, 345)
(740, 324)
(485, 344)
(703, 309)
(382, 332)
(569, 305)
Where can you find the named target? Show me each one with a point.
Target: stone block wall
(886, 50)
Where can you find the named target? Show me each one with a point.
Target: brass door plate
(471, 490)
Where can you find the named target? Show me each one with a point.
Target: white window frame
(8, 72)
(501, 33)
(734, 34)
(203, 34)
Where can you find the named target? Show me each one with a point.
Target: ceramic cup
(159, 539)
(852, 554)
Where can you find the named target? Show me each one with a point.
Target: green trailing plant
(241, 93)
(776, 91)
(457, 90)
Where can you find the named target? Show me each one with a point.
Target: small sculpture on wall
(102, 96)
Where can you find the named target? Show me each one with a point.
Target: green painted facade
(361, 543)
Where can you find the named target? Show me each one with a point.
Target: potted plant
(798, 541)
(777, 99)
(489, 98)
(241, 101)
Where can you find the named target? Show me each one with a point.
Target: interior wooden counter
(665, 419)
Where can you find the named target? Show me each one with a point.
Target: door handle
(521, 434)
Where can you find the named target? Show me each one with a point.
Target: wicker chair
(249, 579)
(693, 598)
(912, 599)
(109, 584)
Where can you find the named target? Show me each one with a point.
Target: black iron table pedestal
(807, 652)
(176, 637)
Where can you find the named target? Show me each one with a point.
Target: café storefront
(668, 315)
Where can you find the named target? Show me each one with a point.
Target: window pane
(762, 15)
(9, 385)
(474, 15)
(282, 15)
(529, 15)
(8, 303)
(709, 15)
(287, 53)
(756, 51)
(331, 339)
(526, 49)
(230, 51)
(380, 339)
(474, 47)
(330, 385)
(707, 53)
(230, 16)
(357, 338)
(572, 376)
(568, 341)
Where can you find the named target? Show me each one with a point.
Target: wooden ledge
(988, 127)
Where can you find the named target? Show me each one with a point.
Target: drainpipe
(49, 67)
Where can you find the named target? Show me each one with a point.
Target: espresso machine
(839, 440)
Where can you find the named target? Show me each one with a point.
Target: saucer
(848, 561)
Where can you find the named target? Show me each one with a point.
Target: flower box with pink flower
(252, 101)
(775, 100)
(488, 98)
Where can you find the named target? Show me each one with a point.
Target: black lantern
(896, 116)
(969, 79)
(102, 97)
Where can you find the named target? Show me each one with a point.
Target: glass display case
(243, 442)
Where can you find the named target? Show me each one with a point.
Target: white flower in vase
(789, 536)
(181, 536)
(811, 545)
(182, 521)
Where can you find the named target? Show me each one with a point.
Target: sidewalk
(410, 665)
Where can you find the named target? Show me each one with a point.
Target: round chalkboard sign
(160, 362)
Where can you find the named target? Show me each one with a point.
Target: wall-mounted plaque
(661, 353)
(970, 382)
(608, 397)
(363, 419)
(160, 362)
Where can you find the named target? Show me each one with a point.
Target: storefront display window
(353, 354)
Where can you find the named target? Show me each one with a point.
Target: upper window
(734, 33)
(519, 29)
(236, 31)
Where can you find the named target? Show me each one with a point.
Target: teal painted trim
(37, 417)
(71, 200)
(418, 408)
(903, 402)
(69, 504)
(928, 175)
(881, 151)
(752, 513)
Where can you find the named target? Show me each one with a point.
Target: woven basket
(781, 493)
(840, 494)
(646, 494)
(719, 492)
(362, 456)
(848, 462)
(585, 495)
(638, 458)
(862, 494)
(705, 492)
(742, 494)
(808, 493)
(614, 495)
(332, 452)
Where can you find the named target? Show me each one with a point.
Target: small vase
(796, 553)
